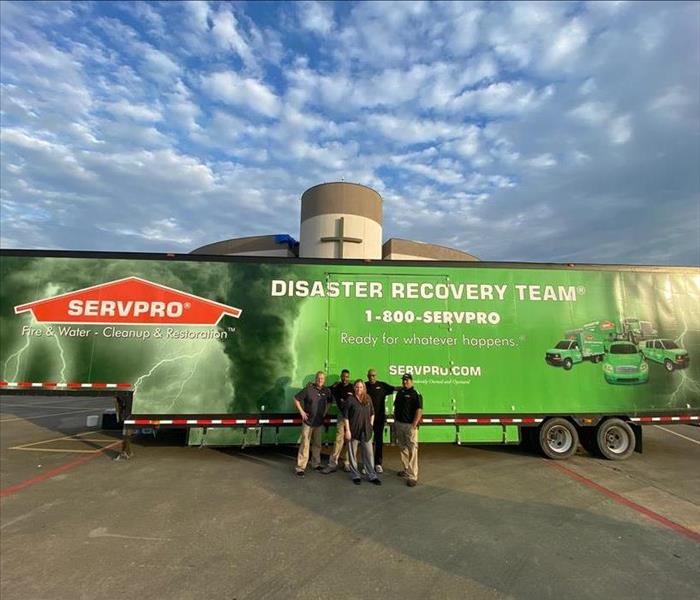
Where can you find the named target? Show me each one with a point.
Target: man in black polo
(340, 390)
(408, 410)
(312, 404)
(378, 391)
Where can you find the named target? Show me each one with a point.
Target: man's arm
(301, 396)
(417, 418)
(346, 426)
(371, 414)
(419, 412)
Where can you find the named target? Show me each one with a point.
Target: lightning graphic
(189, 377)
(18, 356)
(159, 364)
(686, 383)
(64, 366)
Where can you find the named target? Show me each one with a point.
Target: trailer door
(393, 333)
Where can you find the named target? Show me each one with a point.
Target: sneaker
(357, 481)
(299, 473)
(329, 469)
(378, 469)
(411, 483)
(363, 471)
(122, 456)
(347, 467)
(318, 468)
(402, 474)
(375, 481)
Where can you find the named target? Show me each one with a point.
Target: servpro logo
(132, 301)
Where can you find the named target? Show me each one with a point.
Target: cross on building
(340, 238)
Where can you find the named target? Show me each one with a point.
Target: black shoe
(402, 474)
(411, 483)
(357, 481)
(318, 468)
(376, 481)
(299, 473)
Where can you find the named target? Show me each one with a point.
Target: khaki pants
(407, 440)
(310, 435)
(339, 447)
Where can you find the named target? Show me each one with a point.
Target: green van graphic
(624, 363)
(665, 352)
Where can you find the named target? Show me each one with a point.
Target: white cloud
(229, 87)
(566, 45)
(543, 161)
(227, 35)
(620, 129)
(137, 112)
(316, 16)
(502, 98)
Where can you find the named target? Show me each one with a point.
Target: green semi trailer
(218, 345)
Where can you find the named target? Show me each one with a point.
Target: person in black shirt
(341, 390)
(408, 410)
(358, 419)
(312, 404)
(378, 391)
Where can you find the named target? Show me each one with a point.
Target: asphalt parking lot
(485, 522)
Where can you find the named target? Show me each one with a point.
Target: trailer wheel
(668, 365)
(558, 438)
(567, 364)
(615, 439)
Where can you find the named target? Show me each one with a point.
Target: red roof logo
(129, 301)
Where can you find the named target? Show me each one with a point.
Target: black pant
(378, 438)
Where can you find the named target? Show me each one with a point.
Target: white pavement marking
(53, 415)
(102, 532)
(680, 435)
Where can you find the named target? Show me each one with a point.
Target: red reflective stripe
(3, 383)
(179, 421)
(203, 421)
(49, 384)
(438, 420)
(251, 421)
(99, 385)
(24, 384)
(123, 385)
(483, 420)
(228, 421)
(74, 385)
(143, 422)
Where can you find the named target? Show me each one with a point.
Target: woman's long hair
(362, 394)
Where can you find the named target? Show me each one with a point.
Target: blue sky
(528, 131)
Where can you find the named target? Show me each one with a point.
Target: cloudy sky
(539, 132)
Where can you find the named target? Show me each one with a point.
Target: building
(338, 220)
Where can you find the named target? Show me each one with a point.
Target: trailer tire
(615, 439)
(567, 364)
(558, 438)
(668, 365)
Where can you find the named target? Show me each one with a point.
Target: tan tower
(341, 220)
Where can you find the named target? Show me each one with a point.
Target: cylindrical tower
(341, 220)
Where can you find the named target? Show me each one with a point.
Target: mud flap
(637, 436)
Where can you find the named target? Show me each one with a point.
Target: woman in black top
(358, 419)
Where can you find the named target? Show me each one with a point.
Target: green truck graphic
(218, 345)
(584, 343)
(665, 352)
